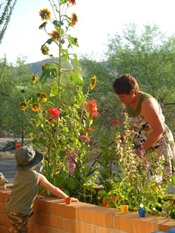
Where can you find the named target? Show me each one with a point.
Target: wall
(52, 215)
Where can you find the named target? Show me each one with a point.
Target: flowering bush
(132, 182)
(60, 114)
(61, 119)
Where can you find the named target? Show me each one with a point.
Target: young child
(20, 205)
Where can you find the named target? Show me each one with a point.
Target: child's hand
(74, 199)
(40, 197)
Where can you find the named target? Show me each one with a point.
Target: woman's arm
(150, 112)
(53, 189)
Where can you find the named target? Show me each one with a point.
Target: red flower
(55, 112)
(115, 122)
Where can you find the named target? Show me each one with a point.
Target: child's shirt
(24, 192)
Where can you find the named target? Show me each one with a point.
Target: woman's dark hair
(125, 84)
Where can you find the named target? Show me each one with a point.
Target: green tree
(6, 9)
(147, 54)
(13, 82)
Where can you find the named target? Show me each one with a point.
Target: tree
(6, 9)
(149, 56)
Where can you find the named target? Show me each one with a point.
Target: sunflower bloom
(93, 82)
(73, 19)
(45, 14)
(42, 96)
(23, 106)
(91, 107)
(43, 25)
(43, 67)
(55, 35)
(73, 2)
(45, 49)
(35, 107)
(35, 78)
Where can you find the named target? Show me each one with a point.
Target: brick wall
(52, 215)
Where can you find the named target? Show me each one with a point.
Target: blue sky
(97, 20)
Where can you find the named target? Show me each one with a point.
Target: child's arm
(53, 189)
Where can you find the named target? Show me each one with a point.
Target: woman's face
(126, 98)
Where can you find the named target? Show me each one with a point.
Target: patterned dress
(163, 151)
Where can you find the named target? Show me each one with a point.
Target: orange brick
(97, 215)
(82, 227)
(4, 195)
(105, 230)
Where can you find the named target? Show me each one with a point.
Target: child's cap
(27, 157)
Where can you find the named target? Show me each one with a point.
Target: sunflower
(23, 106)
(35, 107)
(93, 82)
(35, 78)
(55, 35)
(73, 19)
(43, 25)
(45, 14)
(45, 49)
(42, 96)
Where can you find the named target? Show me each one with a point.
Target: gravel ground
(7, 160)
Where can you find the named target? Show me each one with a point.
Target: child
(19, 206)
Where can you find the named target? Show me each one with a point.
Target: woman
(152, 137)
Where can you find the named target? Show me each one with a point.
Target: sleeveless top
(164, 147)
(24, 192)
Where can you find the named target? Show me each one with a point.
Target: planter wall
(52, 215)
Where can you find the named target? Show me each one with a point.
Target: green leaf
(62, 2)
(54, 89)
(57, 23)
(49, 41)
(72, 40)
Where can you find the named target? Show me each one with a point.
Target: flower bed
(52, 215)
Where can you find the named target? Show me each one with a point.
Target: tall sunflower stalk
(61, 119)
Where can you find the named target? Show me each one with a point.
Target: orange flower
(45, 49)
(35, 107)
(93, 82)
(73, 2)
(89, 130)
(91, 106)
(45, 14)
(55, 35)
(35, 78)
(73, 19)
(23, 106)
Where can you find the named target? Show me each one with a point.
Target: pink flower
(86, 138)
(71, 161)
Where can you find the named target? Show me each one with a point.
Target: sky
(98, 20)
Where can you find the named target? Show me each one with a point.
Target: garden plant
(62, 118)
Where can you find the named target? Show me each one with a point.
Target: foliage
(147, 54)
(12, 84)
(6, 9)
(133, 183)
(60, 114)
